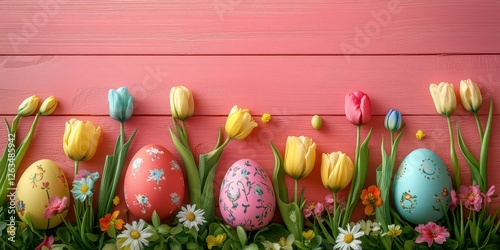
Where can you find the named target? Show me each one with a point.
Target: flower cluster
(470, 223)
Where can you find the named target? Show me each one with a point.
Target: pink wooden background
(292, 59)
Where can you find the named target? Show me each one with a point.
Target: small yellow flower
(309, 235)
(266, 117)
(419, 135)
(394, 230)
(217, 241)
(116, 200)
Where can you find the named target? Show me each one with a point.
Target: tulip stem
(453, 153)
(76, 167)
(296, 191)
(479, 128)
(335, 216)
(122, 131)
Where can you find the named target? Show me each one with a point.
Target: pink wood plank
(336, 134)
(280, 85)
(249, 27)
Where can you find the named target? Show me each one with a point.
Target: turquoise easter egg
(421, 187)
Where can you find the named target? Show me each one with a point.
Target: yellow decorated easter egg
(42, 194)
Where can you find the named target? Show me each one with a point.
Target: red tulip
(358, 109)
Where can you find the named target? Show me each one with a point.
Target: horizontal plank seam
(200, 55)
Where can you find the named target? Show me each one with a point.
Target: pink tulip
(358, 109)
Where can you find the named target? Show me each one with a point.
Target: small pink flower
(454, 199)
(46, 242)
(471, 197)
(56, 206)
(329, 203)
(313, 208)
(81, 174)
(431, 233)
(45, 184)
(487, 196)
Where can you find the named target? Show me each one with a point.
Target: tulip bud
(28, 106)
(239, 123)
(337, 170)
(181, 102)
(444, 98)
(393, 120)
(358, 108)
(300, 156)
(80, 139)
(470, 95)
(48, 106)
(121, 104)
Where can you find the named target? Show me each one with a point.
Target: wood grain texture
(280, 85)
(249, 27)
(290, 58)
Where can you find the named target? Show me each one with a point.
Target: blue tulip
(393, 120)
(121, 104)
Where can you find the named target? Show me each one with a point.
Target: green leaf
(174, 245)
(409, 245)
(451, 244)
(164, 229)
(242, 235)
(92, 237)
(483, 160)
(300, 245)
(176, 230)
(63, 234)
(192, 245)
(316, 241)
(155, 219)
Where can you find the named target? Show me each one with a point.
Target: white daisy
(348, 239)
(135, 235)
(191, 217)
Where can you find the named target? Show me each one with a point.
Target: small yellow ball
(316, 122)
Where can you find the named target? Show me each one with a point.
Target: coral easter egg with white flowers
(422, 187)
(246, 196)
(153, 181)
(41, 181)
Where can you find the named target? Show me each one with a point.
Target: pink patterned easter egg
(246, 196)
(153, 181)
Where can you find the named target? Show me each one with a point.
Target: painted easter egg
(153, 181)
(422, 185)
(41, 182)
(246, 196)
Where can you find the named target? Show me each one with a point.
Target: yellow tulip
(444, 98)
(48, 106)
(300, 155)
(181, 102)
(470, 95)
(28, 106)
(80, 139)
(239, 123)
(337, 170)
